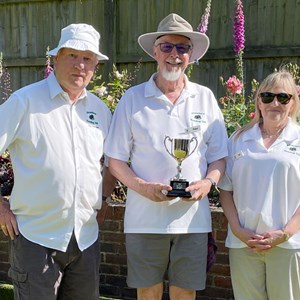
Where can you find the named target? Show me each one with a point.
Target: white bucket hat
(174, 24)
(80, 37)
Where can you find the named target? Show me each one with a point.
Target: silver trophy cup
(180, 149)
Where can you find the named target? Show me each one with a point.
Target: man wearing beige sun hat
(167, 219)
(175, 25)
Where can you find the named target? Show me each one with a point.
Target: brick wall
(113, 269)
(113, 255)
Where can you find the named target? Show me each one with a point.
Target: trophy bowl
(180, 149)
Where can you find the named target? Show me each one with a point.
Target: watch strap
(213, 183)
(286, 236)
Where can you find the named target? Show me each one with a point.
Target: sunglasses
(282, 98)
(168, 47)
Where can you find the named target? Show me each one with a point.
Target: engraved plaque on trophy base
(178, 189)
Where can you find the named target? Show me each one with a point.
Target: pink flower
(48, 68)
(202, 27)
(234, 85)
(48, 71)
(251, 115)
(238, 28)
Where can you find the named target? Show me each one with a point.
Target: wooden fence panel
(28, 27)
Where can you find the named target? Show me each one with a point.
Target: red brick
(112, 225)
(222, 281)
(219, 269)
(114, 237)
(118, 212)
(221, 235)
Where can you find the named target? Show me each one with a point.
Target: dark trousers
(40, 273)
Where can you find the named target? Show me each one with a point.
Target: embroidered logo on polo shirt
(294, 149)
(198, 117)
(91, 118)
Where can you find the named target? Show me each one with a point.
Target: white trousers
(270, 275)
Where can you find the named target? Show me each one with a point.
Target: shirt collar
(288, 134)
(55, 89)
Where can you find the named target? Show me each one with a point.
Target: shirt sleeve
(11, 113)
(225, 182)
(217, 142)
(119, 140)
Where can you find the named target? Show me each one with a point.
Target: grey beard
(171, 76)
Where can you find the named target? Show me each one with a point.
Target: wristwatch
(213, 184)
(286, 236)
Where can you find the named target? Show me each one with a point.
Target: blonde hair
(279, 78)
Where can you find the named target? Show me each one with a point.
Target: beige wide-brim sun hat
(174, 24)
(82, 37)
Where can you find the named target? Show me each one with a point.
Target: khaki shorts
(182, 257)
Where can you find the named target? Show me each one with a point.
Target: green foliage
(110, 93)
(294, 69)
(6, 292)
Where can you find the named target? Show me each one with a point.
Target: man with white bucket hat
(166, 225)
(55, 130)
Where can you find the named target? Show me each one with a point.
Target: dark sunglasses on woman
(282, 98)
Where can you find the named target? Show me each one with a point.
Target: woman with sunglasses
(260, 195)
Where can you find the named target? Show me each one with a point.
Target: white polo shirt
(55, 147)
(142, 120)
(265, 182)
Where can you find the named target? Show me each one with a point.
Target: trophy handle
(167, 138)
(193, 139)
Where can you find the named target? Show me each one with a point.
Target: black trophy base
(178, 189)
